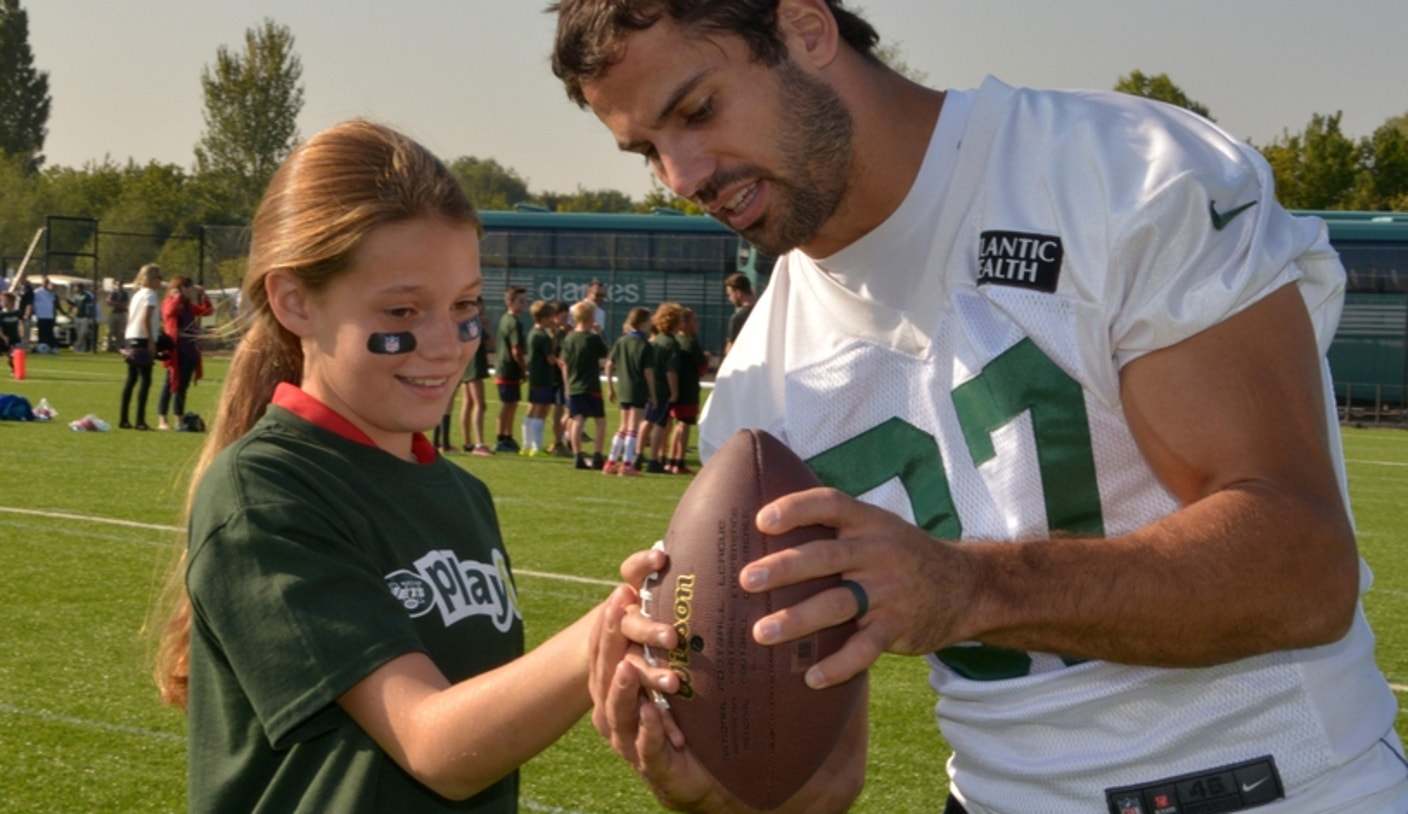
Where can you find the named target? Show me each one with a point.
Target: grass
(86, 532)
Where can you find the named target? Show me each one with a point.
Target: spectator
(583, 351)
(117, 300)
(541, 362)
(693, 364)
(84, 307)
(26, 308)
(630, 360)
(562, 325)
(740, 293)
(440, 439)
(596, 295)
(665, 350)
(472, 404)
(508, 366)
(185, 304)
(46, 311)
(139, 342)
(11, 323)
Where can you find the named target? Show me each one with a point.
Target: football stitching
(769, 774)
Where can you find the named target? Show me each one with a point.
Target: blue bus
(642, 259)
(1368, 356)
(646, 259)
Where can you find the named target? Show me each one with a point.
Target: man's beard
(815, 153)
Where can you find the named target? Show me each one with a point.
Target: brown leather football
(745, 709)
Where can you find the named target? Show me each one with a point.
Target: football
(745, 709)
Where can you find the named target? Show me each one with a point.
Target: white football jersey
(959, 366)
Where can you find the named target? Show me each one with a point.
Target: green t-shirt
(667, 359)
(313, 561)
(540, 358)
(691, 360)
(510, 336)
(478, 367)
(583, 351)
(632, 357)
(10, 325)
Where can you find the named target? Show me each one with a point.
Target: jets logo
(459, 589)
(411, 591)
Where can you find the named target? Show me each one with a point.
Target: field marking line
(85, 518)
(565, 577)
(1376, 463)
(88, 723)
(534, 805)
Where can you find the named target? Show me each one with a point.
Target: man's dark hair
(590, 32)
(739, 282)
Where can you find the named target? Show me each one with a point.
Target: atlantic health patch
(1020, 259)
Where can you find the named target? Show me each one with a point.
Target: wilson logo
(1020, 259)
(679, 656)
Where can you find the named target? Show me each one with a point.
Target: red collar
(293, 398)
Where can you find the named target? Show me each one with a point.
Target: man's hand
(916, 586)
(622, 686)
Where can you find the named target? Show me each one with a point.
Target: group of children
(652, 372)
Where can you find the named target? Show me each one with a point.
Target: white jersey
(136, 329)
(959, 366)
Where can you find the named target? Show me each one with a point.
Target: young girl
(350, 637)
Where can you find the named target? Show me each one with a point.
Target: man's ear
(809, 29)
(289, 301)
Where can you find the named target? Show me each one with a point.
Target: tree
(587, 200)
(1162, 89)
(661, 198)
(24, 92)
(86, 192)
(1316, 169)
(19, 210)
(488, 184)
(892, 55)
(252, 102)
(1382, 180)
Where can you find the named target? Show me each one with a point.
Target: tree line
(253, 95)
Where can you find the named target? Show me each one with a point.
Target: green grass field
(86, 533)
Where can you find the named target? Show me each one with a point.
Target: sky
(472, 77)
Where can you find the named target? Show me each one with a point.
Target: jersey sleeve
(1198, 235)
(299, 612)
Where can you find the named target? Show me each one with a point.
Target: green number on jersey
(894, 449)
(1022, 379)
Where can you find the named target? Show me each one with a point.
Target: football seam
(769, 774)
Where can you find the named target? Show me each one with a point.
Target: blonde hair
(330, 193)
(542, 310)
(667, 317)
(584, 312)
(144, 274)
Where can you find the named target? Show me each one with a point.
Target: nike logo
(1221, 219)
(1246, 787)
